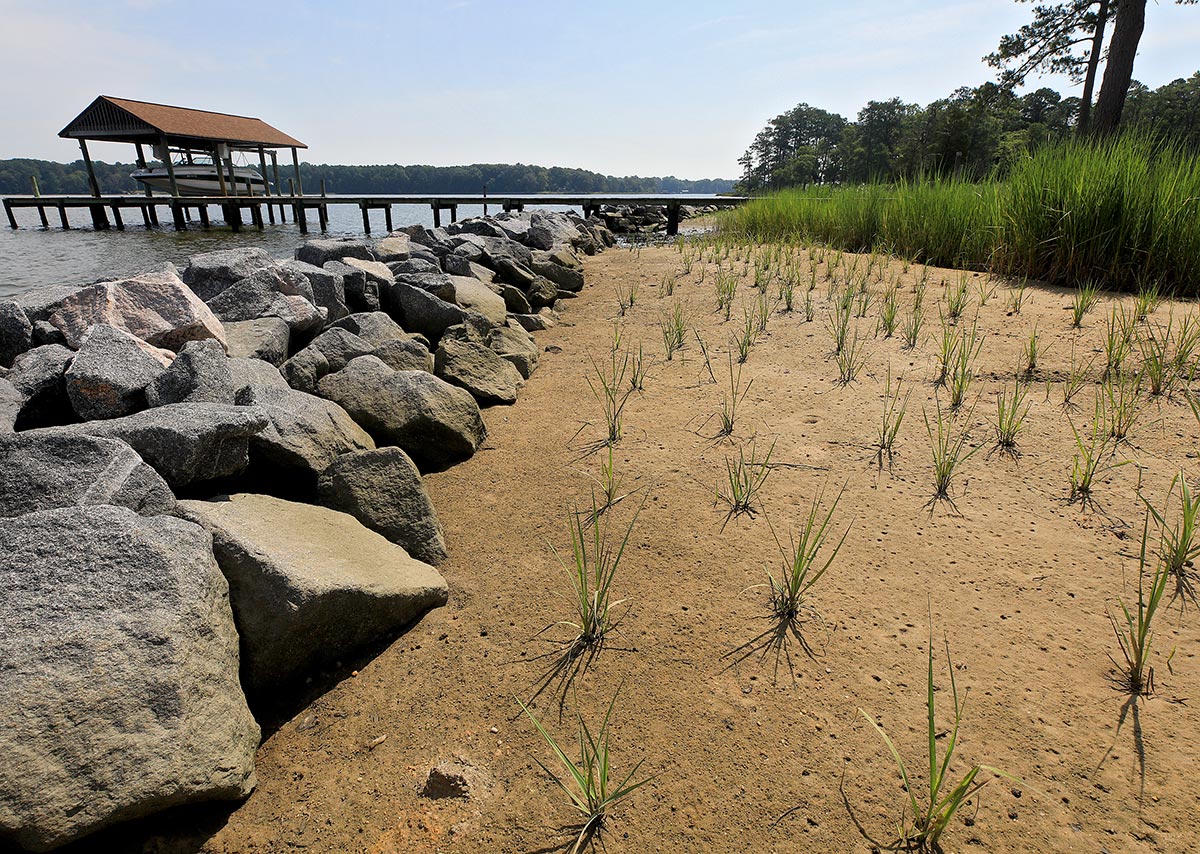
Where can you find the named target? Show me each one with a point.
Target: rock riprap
(309, 585)
(119, 692)
(46, 472)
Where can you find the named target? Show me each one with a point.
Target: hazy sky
(649, 87)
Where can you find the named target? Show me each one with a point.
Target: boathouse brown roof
(122, 120)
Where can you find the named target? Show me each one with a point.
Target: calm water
(31, 256)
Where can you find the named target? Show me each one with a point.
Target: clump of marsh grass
(1011, 412)
(1148, 297)
(810, 308)
(963, 368)
(726, 284)
(894, 408)
(1119, 396)
(947, 347)
(1077, 375)
(924, 820)
(850, 359)
(911, 330)
(744, 478)
(705, 355)
(787, 294)
(592, 790)
(731, 400)
(747, 335)
(889, 311)
(609, 385)
(1016, 297)
(1031, 351)
(1134, 627)
(626, 297)
(956, 298)
(1178, 548)
(1157, 362)
(1085, 299)
(666, 285)
(838, 326)
(592, 567)
(803, 565)
(673, 326)
(1093, 458)
(1118, 340)
(639, 369)
(950, 451)
(985, 287)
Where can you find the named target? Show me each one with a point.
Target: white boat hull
(203, 181)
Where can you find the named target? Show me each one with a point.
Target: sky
(646, 88)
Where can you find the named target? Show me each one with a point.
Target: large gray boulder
(470, 293)
(212, 272)
(375, 271)
(420, 311)
(390, 249)
(119, 694)
(383, 489)
(263, 338)
(304, 435)
(541, 293)
(37, 375)
(562, 267)
(11, 402)
(39, 303)
(274, 291)
(156, 307)
(317, 252)
(374, 327)
(107, 378)
(199, 374)
(329, 288)
(516, 345)
(309, 585)
(16, 332)
(437, 424)
(48, 472)
(495, 248)
(339, 346)
(247, 373)
(549, 229)
(187, 443)
(459, 265)
(362, 292)
(405, 354)
(303, 370)
(514, 224)
(480, 370)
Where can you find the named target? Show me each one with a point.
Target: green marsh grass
(894, 409)
(1083, 301)
(1134, 220)
(929, 811)
(591, 788)
(673, 326)
(803, 564)
(744, 478)
(1179, 548)
(1011, 412)
(1093, 457)
(850, 359)
(949, 449)
(732, 399)
(1134, 625)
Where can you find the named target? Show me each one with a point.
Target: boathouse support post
(437, 215)
(278, 184)
(366, 217)
(166, 151)
(216, 159)
(177, 216)
(387, 217)
(203, 211)
(300, 216)
(454, 213)
(12, 219)
(93, 184)
(62, 217)
(37, 194)
(141, 162)
(323, 217)
(116, 209)
(672, 220)
(145, 215)
(262, 162)
(232, 177)
(296, 171)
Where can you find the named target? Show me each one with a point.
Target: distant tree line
(971, 133)
(71, 179)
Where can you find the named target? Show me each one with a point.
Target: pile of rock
(211, 487)
(646, 219)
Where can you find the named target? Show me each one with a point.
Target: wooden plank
(296, 171)
(170, 166)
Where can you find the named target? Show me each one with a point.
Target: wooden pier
(235, 208)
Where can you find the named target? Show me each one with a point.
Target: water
(31, 257)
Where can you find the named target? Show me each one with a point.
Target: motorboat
(202, 179)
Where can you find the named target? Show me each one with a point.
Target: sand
(751, 751)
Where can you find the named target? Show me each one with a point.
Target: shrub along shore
(1120, 214)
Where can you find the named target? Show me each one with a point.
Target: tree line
(969, 134)
(71, 179)
(975, 131)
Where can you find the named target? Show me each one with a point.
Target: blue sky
(620, 87)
